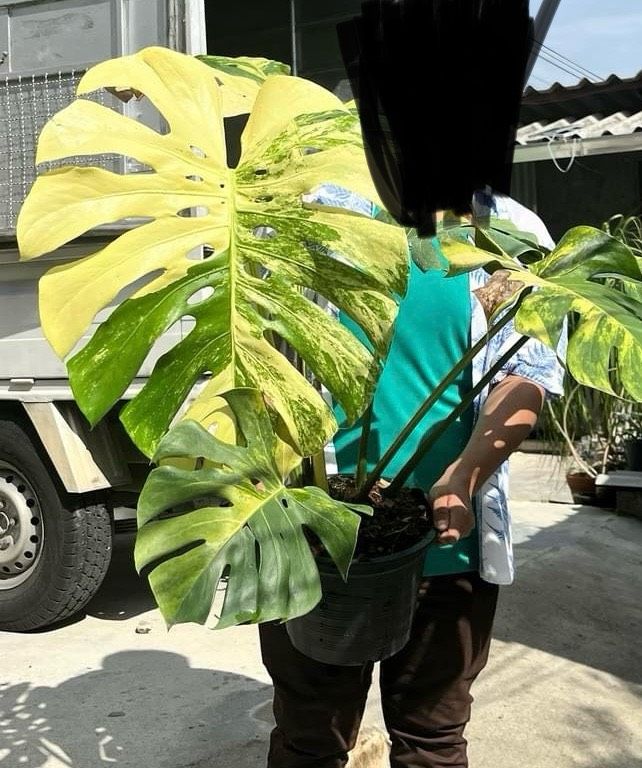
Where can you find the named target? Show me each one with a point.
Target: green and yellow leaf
(244, 522)
(576, 278)
(240, 79)
(266, 243)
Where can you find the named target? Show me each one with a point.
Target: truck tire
(55, 548)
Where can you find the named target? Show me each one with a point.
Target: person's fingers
(460, 523)
(451, 536)
(441, 514)
(462, 520)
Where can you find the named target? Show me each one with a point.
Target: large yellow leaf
(240, 78)
(266, 242)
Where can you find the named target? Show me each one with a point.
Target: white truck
(60, 482)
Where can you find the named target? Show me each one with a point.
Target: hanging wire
(572, 62)
(564, 63)
(541, 79)
(544, 57)
(574, 148)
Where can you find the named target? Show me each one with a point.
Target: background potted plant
(590, 427)
(599, 430)
(628, 229)
(233, 460)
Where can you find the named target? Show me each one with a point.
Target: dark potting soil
(397, 524)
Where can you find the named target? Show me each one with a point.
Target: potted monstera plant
(259, 246)
(232, 413)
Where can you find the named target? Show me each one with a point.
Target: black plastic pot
(367, 618)
(633, 452)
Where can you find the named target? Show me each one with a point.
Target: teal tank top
(431, 333)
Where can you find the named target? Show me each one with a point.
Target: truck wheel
(54, 548)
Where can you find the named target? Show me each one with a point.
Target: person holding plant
(264, 251)
(425, 687)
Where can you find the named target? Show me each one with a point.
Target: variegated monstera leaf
(240, 78)
(582, 275)
(265, 244)
(241, 520)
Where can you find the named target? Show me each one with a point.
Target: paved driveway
(562, 688)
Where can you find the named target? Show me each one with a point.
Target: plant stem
(438, 429)
(319, 475)
(362, 458)
(371, 479)
(569, 439)
(569, 442)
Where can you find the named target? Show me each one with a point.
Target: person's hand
(452, 509)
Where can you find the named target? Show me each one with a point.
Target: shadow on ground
(124, 593)
(128, 713)
(576, 598)
(577, 593)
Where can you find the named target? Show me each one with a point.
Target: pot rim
(421, 544)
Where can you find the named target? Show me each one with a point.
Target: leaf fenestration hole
(199, 253)
(196, 211)
(261, 172)
(195, 178)
(264, 199)
(264, 232)
(201, 295)
(310, 150)
(284, 502)
(197, 151)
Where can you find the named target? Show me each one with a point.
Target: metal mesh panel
(26, 103)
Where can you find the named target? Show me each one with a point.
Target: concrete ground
(562, 688)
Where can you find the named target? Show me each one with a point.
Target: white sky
(604, 36)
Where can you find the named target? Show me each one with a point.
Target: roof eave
(600, 145)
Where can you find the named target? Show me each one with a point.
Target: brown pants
(425, 688)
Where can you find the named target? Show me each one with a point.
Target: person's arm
(507, 417)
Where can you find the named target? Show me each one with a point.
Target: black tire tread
(87, 535)
(88, 551)
(90, 558)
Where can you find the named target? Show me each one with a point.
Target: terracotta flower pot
(582, 486)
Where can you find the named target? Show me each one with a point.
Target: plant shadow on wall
(112, 716)
(237, 491)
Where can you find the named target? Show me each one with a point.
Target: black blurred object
(438, 86)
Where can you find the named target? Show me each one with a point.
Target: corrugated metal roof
(609, 97)
(588, 127)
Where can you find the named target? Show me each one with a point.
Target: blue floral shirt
(533, 361)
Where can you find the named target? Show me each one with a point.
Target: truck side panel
(86, 460)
